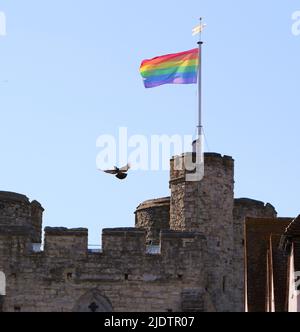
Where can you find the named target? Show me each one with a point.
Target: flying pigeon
(120, 173)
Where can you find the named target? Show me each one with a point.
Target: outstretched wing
(125, 169)
(111, 171)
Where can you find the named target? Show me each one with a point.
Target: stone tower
(185, 254)
(17, 211)
(206, 206)
(153, 216)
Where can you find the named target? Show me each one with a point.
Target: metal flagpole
(198, 148)
(200, 43)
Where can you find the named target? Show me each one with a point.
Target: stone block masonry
(197, 264)
(123, 277)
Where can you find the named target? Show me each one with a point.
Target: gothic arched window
(93, 301)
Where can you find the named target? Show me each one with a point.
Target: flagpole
(200, 43)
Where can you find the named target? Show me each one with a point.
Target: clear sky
(69, 72)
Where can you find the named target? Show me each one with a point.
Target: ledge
(207, 155)
(122, 231)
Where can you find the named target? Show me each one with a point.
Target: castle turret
(153, 216)
(206, 206)
(17, 210)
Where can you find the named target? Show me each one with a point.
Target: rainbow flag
(178, 68)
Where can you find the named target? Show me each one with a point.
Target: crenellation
(185, 252)
(122, 240)
(61, 242)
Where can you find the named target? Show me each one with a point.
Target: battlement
(62, 231)
(212, 157)
(253, 208)
(121, 240)
(130, 243)
(58, 277)
(184, 248)
(213, 161)
(66, 242)
(62, 242)
(7, 196)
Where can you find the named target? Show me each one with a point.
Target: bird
(120, 173)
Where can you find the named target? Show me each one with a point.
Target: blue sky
(69, 72)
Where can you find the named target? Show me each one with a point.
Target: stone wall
(123, 277)
(206, 206)
(17, 210)
(153, 216)
(199, 231)
(244, 208)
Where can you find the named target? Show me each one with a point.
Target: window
(17, 308)
(224, 284)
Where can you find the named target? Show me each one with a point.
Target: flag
(177, 68)
(198, 29)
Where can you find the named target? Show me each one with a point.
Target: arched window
(93, 301)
